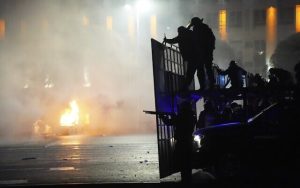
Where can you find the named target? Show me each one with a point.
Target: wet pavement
(92, 161)
(73, 160)
(81, 159)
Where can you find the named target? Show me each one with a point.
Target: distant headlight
(197, 138)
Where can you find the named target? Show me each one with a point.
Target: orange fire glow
(131, 26)
(271, 32)
(153, 26)
(223, 24)
(71, 115)
(297, 18)
(109, 23)
(2, 29)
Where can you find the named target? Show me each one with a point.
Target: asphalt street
(80, 159)
(84, 160)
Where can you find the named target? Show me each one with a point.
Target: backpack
(209, 37)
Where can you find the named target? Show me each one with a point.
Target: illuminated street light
(128, 7)
(260, 52)
(143, 5)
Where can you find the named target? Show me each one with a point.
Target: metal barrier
(169, 74)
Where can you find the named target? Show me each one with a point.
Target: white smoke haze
(66, 45)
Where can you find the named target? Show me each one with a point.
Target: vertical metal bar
(167, 84)
(175, 71)
(178, 71)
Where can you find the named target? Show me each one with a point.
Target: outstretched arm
(222, 72)
(227, 82)
(244, 72)
(171, 41)
(189, 26)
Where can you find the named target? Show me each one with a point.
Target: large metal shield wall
(169, 73)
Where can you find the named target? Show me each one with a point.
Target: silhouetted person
(205, 40)
(280, 77)
(188, 52)
(235, 74)
(259, 81)
(207, 117)
(237, 111)
(184, 123)
(226, 115)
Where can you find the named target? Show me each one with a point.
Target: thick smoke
(65, 45)
(287, 53)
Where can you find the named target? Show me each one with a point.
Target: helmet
(232, 63)
(181, 29)
(196, 21)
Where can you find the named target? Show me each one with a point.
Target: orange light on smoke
(223, 24)
(109, 23)
(85, 21)
(271, 24)
(71, 115)
(131, 27)
(153, 26)
(2, 29)
(297, 18)
(271, 32)
(45, 25)
(87, 119)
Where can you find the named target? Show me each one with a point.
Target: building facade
(253, 28)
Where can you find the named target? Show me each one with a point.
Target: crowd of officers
(196, 44)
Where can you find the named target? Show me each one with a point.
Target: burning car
(70, 121)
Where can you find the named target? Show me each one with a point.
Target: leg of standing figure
(209, 70)
(186, 170)
(191, 69)
(201, 76)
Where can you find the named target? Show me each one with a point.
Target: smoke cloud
(55, 51)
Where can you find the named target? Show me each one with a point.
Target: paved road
(87, 160)
(81, 159)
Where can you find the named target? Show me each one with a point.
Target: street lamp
(143, 5)
(140, 7)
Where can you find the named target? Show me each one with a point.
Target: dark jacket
(186, 44)
(235, 74)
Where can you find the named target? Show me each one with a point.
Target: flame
(71, 115)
